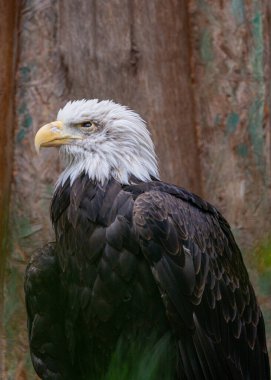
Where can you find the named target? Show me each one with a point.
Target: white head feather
(121, 146)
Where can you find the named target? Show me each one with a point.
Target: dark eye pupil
(87, 124)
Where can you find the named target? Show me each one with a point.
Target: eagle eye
(87, 124)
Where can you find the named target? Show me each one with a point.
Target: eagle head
(102, 139)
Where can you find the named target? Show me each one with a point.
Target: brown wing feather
(45, 321)
(205, 287)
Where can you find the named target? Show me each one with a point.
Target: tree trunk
(8, 21)
(231, 64)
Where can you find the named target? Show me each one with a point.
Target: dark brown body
(137, 261)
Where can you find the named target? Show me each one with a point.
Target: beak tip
(37, 148)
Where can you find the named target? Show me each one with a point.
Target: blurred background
(198, 72)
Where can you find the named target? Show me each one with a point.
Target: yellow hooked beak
(52, 134)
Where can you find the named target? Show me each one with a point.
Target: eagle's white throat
(121, 146)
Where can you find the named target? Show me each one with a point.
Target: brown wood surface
(198, 72)
(230, 42)
(8, 17)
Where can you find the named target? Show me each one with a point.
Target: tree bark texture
(198, 72)
(8, 23)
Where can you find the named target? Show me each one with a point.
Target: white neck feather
(101, 166)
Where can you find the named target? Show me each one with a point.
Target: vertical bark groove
(8, 30)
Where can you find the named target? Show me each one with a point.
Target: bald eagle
(134, 257)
